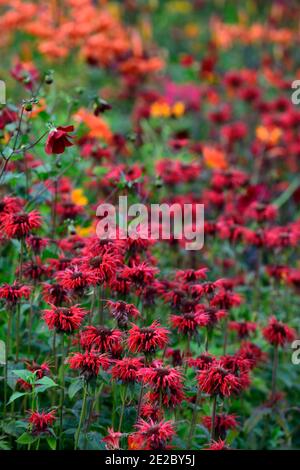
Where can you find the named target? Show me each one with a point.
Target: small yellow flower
(191, 30)
(268, 136)
(78, 197)
(178, 109)
(84, 231)
(180, 6)
(160, 109)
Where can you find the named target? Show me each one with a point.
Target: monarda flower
(252, 353)
(218, 445)
(101, 338)
(127, 369)
(243, 328)
(191, 275)
(161, 378)
(55, 294)
(41, 421)
(20, 224)
(223, 423)
(147, 339)
(103, 266)
(202, 362)
(58, 140)
(219, 381)
(64, 319)
(186, 324)
(75, 279)
(209, 316)
(121, 311)
(89, 363)
(36, 243)
(112, 440)
(13, 293)
(139, 274)
(277, 333)
(153, 436)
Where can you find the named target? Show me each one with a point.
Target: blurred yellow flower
(180, 6)
(268, 136)
(160, 109)
(214, 158)
(191, 30)
(78, 197)
(84, 231)
(178, 109)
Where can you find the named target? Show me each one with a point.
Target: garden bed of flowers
(139, 343)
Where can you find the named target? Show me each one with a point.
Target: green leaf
(7, 152)
(26, 438)
(75, 387)
(24, 374)
(51, 440)
(15, 396)
(44, 383)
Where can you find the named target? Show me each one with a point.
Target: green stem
(82, 415)
(7, 347)
(213, 418)
(62, 395)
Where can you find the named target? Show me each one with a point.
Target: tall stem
(62, 395)
(82, 415)
(7, 347)
(213, 417)
(194, 417)
(123, 408)
(274, 371)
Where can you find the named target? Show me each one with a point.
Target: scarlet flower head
(55, 294)
(121, 311)
(277, 333)
(64, 319)
(40, 421)
(89, 363)
(153, 436)
(127, 369)
(100, 338)
(243, 328)
(139, 274)
(74, 278)
(20, 224)
(112, 440)
(223, 423)
(58, 140)
(218, 445)
(186, 323)
(13, 293)
(217, 380)
(147, 339)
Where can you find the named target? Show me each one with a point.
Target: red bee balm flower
(40, 422)
(127, 369)
(64, 319)
(89, 363)
(100, 338)
(277, 333)
(217, 380)
(147, 339)
(112, 440)
(58, 140)
(14, 292)
(20, 224)
(151, 436)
